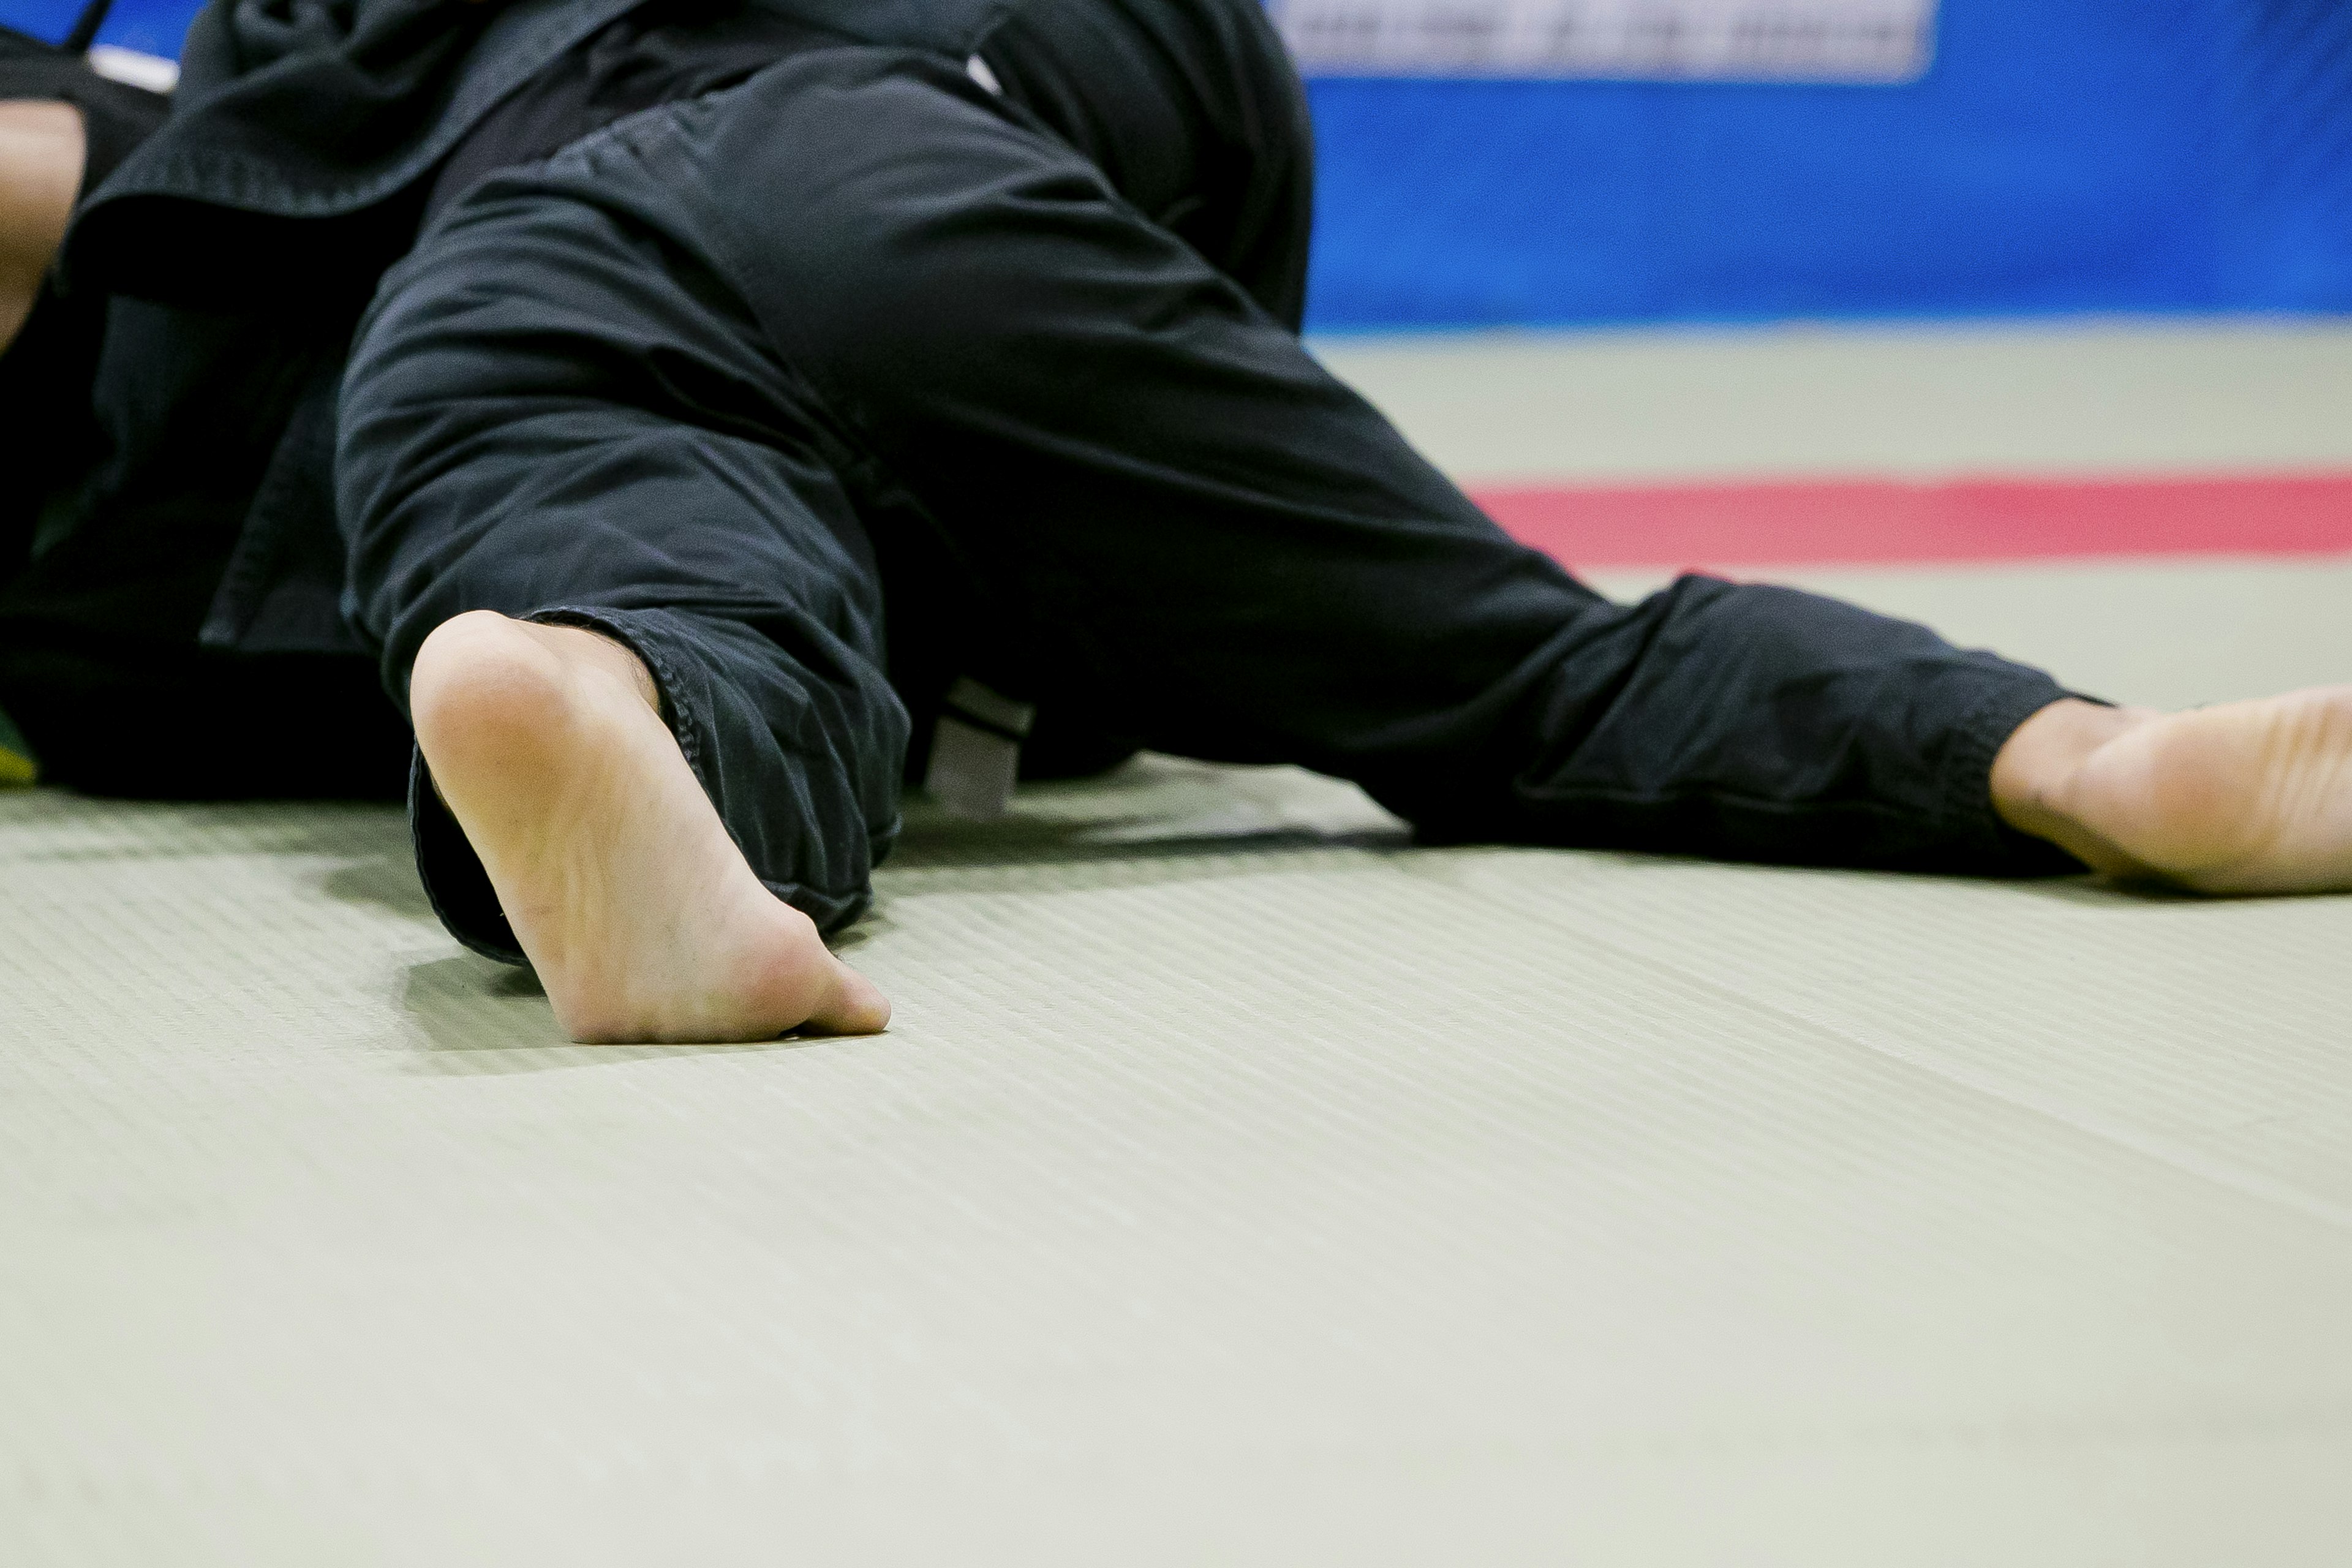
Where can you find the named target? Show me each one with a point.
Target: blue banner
(2051, 156)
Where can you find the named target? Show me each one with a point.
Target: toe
(853, 1005)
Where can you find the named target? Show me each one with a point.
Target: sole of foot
(2241, 798)
(640, 915)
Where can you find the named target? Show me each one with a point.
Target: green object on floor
(16, 765)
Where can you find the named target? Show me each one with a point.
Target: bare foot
(641, 918)
(2246, 798)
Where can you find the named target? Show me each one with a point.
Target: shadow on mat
(946, 844)
(480, 1018)
(100, 829)
(387, 880)
(1023, 857)
(1153, 812)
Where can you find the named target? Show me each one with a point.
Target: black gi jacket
(243, 240)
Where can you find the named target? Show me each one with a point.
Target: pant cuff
(1968, 784)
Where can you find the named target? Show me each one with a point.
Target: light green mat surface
(1236, 1187)
(2166, 395)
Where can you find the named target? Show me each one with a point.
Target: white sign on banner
(1739, 40)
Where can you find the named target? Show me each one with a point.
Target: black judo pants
(739, 381)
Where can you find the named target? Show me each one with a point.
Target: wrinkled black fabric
(730, 378)
(299, 126)
(303, 139)
(98, 661)
(100, 664)
(1174, 105)
(658, 53)
(296, 126)
(183, 476)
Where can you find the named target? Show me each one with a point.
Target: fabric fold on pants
(730, 375)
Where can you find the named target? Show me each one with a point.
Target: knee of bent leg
(910, 223)
(508, 370)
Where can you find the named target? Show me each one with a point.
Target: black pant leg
(100, 669)
(1190, 109)
(557, 408)
(100, 663)
(1194, 526)
(100, 666)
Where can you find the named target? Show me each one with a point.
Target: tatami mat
(1238, 1185)
(2178, 395)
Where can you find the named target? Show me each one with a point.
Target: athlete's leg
(643, 918)
(1191, 110)
(100, 666)
(601, 395)
(599, 535)
(1245, 562)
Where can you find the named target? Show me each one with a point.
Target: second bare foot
(2243, 797)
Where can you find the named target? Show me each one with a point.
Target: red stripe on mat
(1870, 521)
